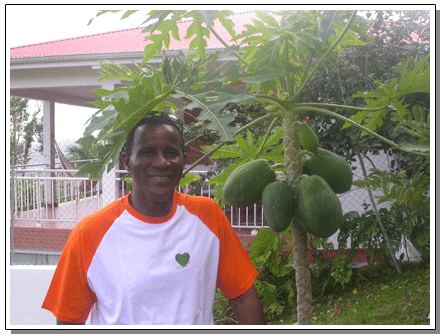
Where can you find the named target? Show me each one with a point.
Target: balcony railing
(58, 196)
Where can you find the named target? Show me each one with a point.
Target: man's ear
(124, 160)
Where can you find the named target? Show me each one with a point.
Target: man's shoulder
(103, 216)
(196, 200)
(205, 208)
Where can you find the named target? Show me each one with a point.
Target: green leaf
(128, 13)
(415, 149)
(98, 123)
(227, 151)
(188, 179)
(228, 24)
(244, 145)
(91, 168)
(264, 241)
(268, 294)
(262, 75)
(374, 120)
(213, 106)
(358, 118)
(102, 92)
(267, 18)
(199, 32)
(153, 49)
(167, 71)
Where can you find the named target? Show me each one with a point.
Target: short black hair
(150, 120)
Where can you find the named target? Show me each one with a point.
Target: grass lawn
(375, 296)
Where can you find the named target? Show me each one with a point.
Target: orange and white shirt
(127, 268)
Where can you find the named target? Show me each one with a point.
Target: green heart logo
(182, 259)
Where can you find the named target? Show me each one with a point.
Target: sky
(27, 25)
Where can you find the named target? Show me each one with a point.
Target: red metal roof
(128, 40)
(121, 41)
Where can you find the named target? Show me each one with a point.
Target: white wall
(28, 287)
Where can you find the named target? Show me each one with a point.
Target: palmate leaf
(108, 156)
(122, 109)
(164, 23)
(100, 123)
(213, 106)
(114, 141)
(227, 151)
(198, 32)
(392, 95)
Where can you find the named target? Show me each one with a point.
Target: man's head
(155, 158)
(155, 118)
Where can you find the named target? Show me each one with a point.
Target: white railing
(53, 195)
(59, 196)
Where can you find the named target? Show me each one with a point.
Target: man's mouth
(161, 178)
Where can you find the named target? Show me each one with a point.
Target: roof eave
(75, 60)
(126, 57)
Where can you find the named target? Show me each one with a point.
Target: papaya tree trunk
(292, 167)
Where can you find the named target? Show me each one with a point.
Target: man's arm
(67, 323)
(247, 308)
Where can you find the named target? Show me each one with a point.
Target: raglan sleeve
(236, 272)
(69, 296)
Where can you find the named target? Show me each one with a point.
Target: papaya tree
(277, 55)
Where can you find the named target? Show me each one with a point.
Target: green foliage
(222, 310)
(121, 109)
(199, 29)
(188, 179)
(409, 210)
(244, 150)
(392, 94)
(329, 274)
(275, 283)
(363, 232)
(186, 77)
(24, 130)
(147, 88)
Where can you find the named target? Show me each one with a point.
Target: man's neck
(150, 207)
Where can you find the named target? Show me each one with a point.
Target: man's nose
(161, 161)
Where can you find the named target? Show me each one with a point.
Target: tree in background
(25, 129)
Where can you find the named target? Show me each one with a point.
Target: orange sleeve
(236, 272)
(69, 296)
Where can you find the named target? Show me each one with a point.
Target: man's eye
(148, 152)
(172, 153)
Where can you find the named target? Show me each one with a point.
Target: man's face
(156, 162)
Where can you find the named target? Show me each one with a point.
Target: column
(110, 190)
(49, 148)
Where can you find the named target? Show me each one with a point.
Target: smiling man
(155, 256)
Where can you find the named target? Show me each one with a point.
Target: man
(154, 256)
